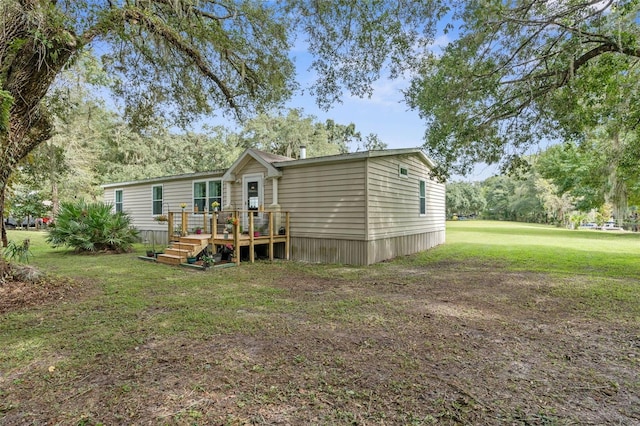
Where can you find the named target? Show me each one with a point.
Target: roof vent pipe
(303, 152)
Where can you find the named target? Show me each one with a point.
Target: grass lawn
(504, 324)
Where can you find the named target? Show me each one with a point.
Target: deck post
(236, 237)
(204, 219)
(252, 254)
(288, 237)
(214, 230)
(184, 223)
(251, 241)
(271, 236)
(169, 226)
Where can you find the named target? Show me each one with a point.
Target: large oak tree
(518, 73)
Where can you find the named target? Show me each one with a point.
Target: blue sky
(385, 113)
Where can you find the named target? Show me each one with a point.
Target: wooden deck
(252, 242)
(268, 237)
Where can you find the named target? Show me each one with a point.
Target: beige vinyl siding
(108, 195)
(344, 210)
(136, 202)
(137, 199)
(179, 191)
(325, 200)
(394, 201)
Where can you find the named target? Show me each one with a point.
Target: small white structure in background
(588, 225)
(610, 226)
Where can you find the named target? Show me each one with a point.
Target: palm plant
(92, 227)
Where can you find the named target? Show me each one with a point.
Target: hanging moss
(6, 100)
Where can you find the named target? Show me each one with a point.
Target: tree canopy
(506, 81)
(285, 134)
(464, 199)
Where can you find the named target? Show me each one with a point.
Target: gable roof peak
(268, 156)
(264, 158)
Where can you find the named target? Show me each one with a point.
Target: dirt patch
(25, 286)
(456, 344)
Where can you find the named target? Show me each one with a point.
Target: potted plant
(198, 230)
(161, 218)
(232, 222)
(215, 206)
(191, 260)
(210, 260)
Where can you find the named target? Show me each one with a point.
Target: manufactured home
(358, 208)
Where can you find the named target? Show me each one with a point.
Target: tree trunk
(27, 73)
(5, 241)
(55, 198)
(618, 194)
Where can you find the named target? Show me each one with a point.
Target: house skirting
(155, 237)
(355, 252)
(347, 252)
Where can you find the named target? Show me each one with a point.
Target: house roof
(165, 178)
(269, 157)
(273, 163)
(356, 156)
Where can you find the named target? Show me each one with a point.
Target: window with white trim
(156, 199)
(403, 171)
(423, 198)
(205, 193)
(118, 200)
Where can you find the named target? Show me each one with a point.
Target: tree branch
(158, 28)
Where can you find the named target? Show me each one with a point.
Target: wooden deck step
(185, 246)
(171, 259)
(197, 239)
(178, 252)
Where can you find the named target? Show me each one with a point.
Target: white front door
(252, 195)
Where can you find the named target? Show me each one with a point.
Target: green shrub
(18, 252)
(92, 227)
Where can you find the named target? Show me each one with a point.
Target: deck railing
(237, 227)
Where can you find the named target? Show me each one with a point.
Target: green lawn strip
(540, 249)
